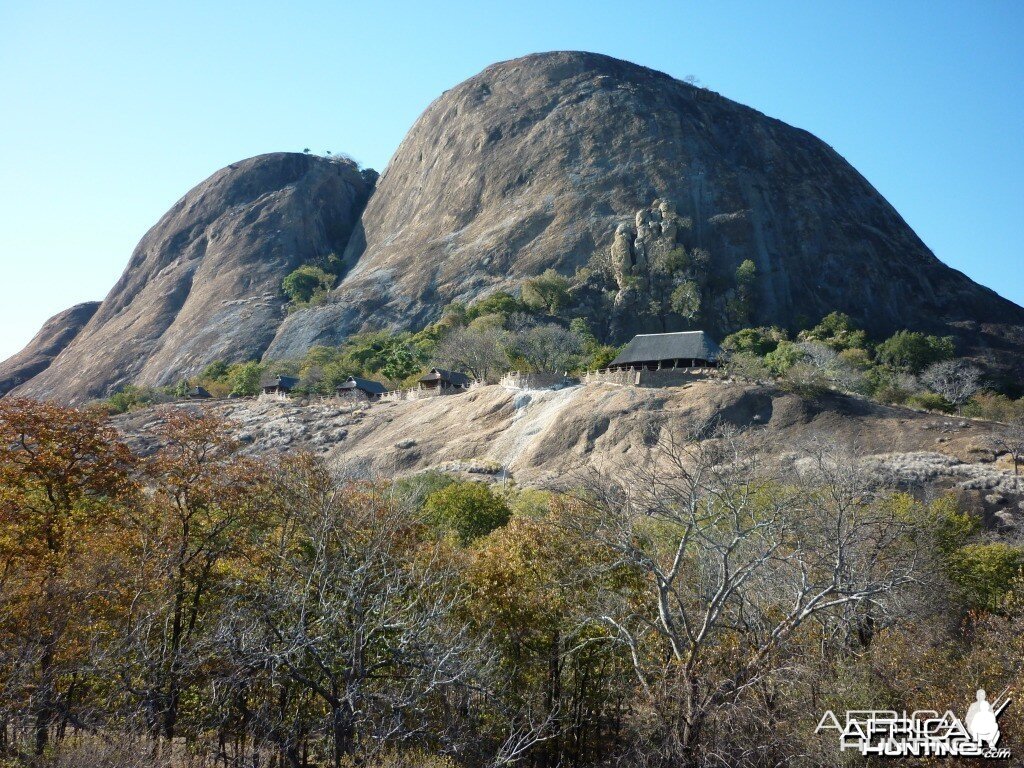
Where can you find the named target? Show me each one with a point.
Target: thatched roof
(366, 385)
(282, 382)
(655, 347)
(452, 377)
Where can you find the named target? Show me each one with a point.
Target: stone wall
(520, 380)
(666, 377)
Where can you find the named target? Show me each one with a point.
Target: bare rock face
(204, 284)
(56, 333)
(648, 192)
(538, 162)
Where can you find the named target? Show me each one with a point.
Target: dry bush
(410, 758)
(94, 752)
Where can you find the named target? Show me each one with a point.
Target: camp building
(653, 351)
(278, 385)
(438, 378)
(354, 386)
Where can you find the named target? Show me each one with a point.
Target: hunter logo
(922, 733)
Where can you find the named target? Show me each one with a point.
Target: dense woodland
(195, 606)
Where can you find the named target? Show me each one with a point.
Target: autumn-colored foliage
(190, 604)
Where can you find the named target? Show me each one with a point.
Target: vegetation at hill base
(195, 606)
(539, 330)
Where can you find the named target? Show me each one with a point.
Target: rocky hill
(204, 284)
(55, 335)
(630, 182)
(548, 160)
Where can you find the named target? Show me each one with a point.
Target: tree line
(181, 603)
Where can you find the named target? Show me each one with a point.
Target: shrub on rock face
(306, 284)
(685, 300)
(468, 509)
(128, 399)
(215, 371)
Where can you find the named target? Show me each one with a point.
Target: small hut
(356, 387)
(278, 385)
(653, 351)
(438, 378)
(198, 393)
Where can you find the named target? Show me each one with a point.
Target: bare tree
(356, 618)
(1010, 439)
(825, 362)
(480, 352)
(548, 348)
(738, 557)
(955, 380)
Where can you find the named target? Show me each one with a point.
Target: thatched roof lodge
(438, 378)
(198, 393)
(687, 349)
(278, 385)
(369, 388)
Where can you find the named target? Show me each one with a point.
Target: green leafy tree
(469, 509)
(549, 292)
(501, 303)
(130, 398)
(596, 355)
(677, 260)
(783, 357)
(215, 371)
(913, 351)
(245, 378)
(857, 358)
(741, 306)
(838, 331)
(685, 300)
(756, 341)
(746, 274)
(985, 572)
(393, 355)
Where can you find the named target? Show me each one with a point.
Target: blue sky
(113, 110)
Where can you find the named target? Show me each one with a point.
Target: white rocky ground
(542, 437)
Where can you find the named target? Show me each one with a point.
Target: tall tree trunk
(693, 719)
(343, 728)
(43, 715)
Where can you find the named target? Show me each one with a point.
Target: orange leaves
(60, 470)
